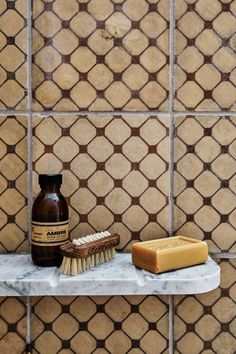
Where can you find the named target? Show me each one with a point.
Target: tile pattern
(205, 73)
(13, 183)
(12, 325)
(204, 183)
(86, 325)
(100, 55)
(105, 55)
(13, 54)
(115, 171)
(207, 322)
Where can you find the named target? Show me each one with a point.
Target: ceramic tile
(207, 321)
(204, 182)
(115, 172)
(13, 183)
(13, 55)
(12, 325)
(100, 56)
(205, 55)
(116, 325)
(106, 55)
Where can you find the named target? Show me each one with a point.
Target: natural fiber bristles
(90, 238)
(74, 266)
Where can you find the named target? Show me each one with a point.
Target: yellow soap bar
(169, 253)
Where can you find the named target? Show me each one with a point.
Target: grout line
(14, 113)
(30, 54)
(172, 57)
(223, 255)
(204, 113)
(145, 113)
(30, 118)
(29, 143)
(171, 175)
(28, 323)
(171, 157)
(171, 324)
(92, 113)
(29, 177)
(171, 103)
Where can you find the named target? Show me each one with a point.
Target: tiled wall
(115, 171)
(134, 101)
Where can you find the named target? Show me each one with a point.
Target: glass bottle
(49, 222)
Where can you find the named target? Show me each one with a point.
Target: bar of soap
(169, 253)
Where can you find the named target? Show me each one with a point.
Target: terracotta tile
(13, 325)
(118, 308)
(100, 332)
(47, 308)
(118, 342)
(65, 326)
(13, 55)
(47, 340)
(205, 55)
(114, 170)
(151, 341)
(87, 306)
(89, 343)
(207, 321)
(106, 325)
(204, 183)
(13, 183)
(100, 60)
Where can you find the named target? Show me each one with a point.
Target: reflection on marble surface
(118, 277)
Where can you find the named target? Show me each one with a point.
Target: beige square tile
(205, 55)
(116, 325)
(13, 55)
(115, 172)
(13, 183)
(100, 55)
(207, 321)
(12, 325)
(204, 183)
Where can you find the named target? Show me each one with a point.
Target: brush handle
(82, 251)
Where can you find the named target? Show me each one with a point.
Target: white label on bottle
(50, 233)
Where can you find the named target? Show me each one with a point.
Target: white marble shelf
(19, 277)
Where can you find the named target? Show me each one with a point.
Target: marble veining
(19, 277)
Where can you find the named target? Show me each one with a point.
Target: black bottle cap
(51, 178)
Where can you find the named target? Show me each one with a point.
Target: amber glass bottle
(49, 222)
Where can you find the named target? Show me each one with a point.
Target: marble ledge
(19, 277)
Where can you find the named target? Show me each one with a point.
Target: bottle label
(50, 233)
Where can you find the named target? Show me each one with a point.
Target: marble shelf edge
(19, 277)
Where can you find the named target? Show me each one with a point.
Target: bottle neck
(51, 188)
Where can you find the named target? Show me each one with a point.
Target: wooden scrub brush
(88, 252)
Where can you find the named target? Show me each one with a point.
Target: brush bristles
(90, 238)
(74, 266)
